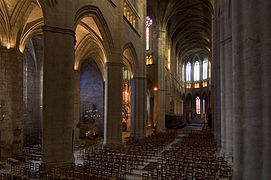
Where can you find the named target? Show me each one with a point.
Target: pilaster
(58, 96)
(138, 103)
(11, 101)
(113, 103)
(161, 92)
(251, 48)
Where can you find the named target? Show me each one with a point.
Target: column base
(47, 166)
(137, 137)
(227, 156)
(161, 130)
(112, 142)
(9, 150)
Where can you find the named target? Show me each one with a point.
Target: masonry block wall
(11, 102)
(32, 90)
(91, 91)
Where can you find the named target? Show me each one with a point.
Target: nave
(189, 153)
(84, 84)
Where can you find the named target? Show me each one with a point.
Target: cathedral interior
(135, 89)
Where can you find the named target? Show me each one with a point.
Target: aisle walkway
(137, 173)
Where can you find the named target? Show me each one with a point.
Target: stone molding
(114, 64)
(58, 30)
(112, 3)
(139, 78)
(226, 41)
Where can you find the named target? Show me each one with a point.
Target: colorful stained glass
(147, 38)
(198, 105)
(183, 73)
(188, 72)
(205, 69)
(197, 71)
(148, 24)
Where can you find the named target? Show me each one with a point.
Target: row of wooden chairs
(193, 157)
(99, 162)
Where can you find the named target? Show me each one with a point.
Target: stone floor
(137, 173)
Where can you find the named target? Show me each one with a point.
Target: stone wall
(11, 102)
(32, 90)
(91, 91)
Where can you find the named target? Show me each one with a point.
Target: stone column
(181, 107)
(178, 106)
(58, 96)
(216, 75)
(161, 92)
(11, 101)
(221, 58)
(76, 104)
(201, 108)
(151, 109)
(251, 48)
(226, 64)
(138, 107)
(193, 107)
(113, 103)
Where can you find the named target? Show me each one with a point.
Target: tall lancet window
(205, 69)
(183, 73)
(188, 72)
(197, 71)
(209, 70)
(198, 105)
(148, 24)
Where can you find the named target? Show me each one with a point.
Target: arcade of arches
(144, 83)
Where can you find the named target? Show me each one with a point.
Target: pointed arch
(130, 57)
(93, 11)
(83, 52)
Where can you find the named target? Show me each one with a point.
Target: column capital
(114, 64)
(58, 30)
(139, 78)
(77, 71)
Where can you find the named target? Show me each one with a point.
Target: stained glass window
(148, 24)
(149, 60)
(183, 73)
(205, 69)
(196, 85)
(188, 72)
(197, 71)
(147, 38)
(209, 69)
(198, 105)
(203, 106)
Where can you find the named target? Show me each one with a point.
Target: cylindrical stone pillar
(222, 74)
(58, 96)
(251, 35)
(113, 103)
(216, 100)
(161, 92)
(11, 101)
(226, 79)
(138, 107)
(76, 104)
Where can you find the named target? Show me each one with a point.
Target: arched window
(148, 24)
(205, 70)
(198, 105)
(197, 71)
(209, 70)
(183, 73)
(188, 71)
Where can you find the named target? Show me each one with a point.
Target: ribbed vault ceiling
(188, 23)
